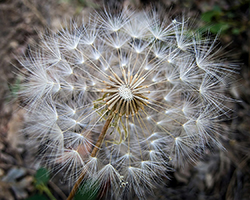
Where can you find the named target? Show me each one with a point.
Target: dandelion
(122, 98)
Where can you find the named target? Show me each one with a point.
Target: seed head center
(125, 92)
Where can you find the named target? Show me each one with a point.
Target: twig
(58, 190)
(93, 154)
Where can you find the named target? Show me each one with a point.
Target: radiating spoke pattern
(160, 84)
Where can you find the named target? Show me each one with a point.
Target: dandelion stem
(93, 154)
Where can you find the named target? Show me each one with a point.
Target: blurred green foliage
(41, 177)
(227, 21)
(87, 192)
(41, 180)
(37, 197)
(215, 16)
(13, 90)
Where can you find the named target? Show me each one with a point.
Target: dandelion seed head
(161, 89)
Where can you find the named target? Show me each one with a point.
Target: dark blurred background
(218, 175)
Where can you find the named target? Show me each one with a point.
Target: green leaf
(230, 14)
(217, 8)
(42, 176)
(209, 15)
(37, 197)
(14, 89)
(87, 192)
(236, 31)
(221, 26)
(16, 86)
